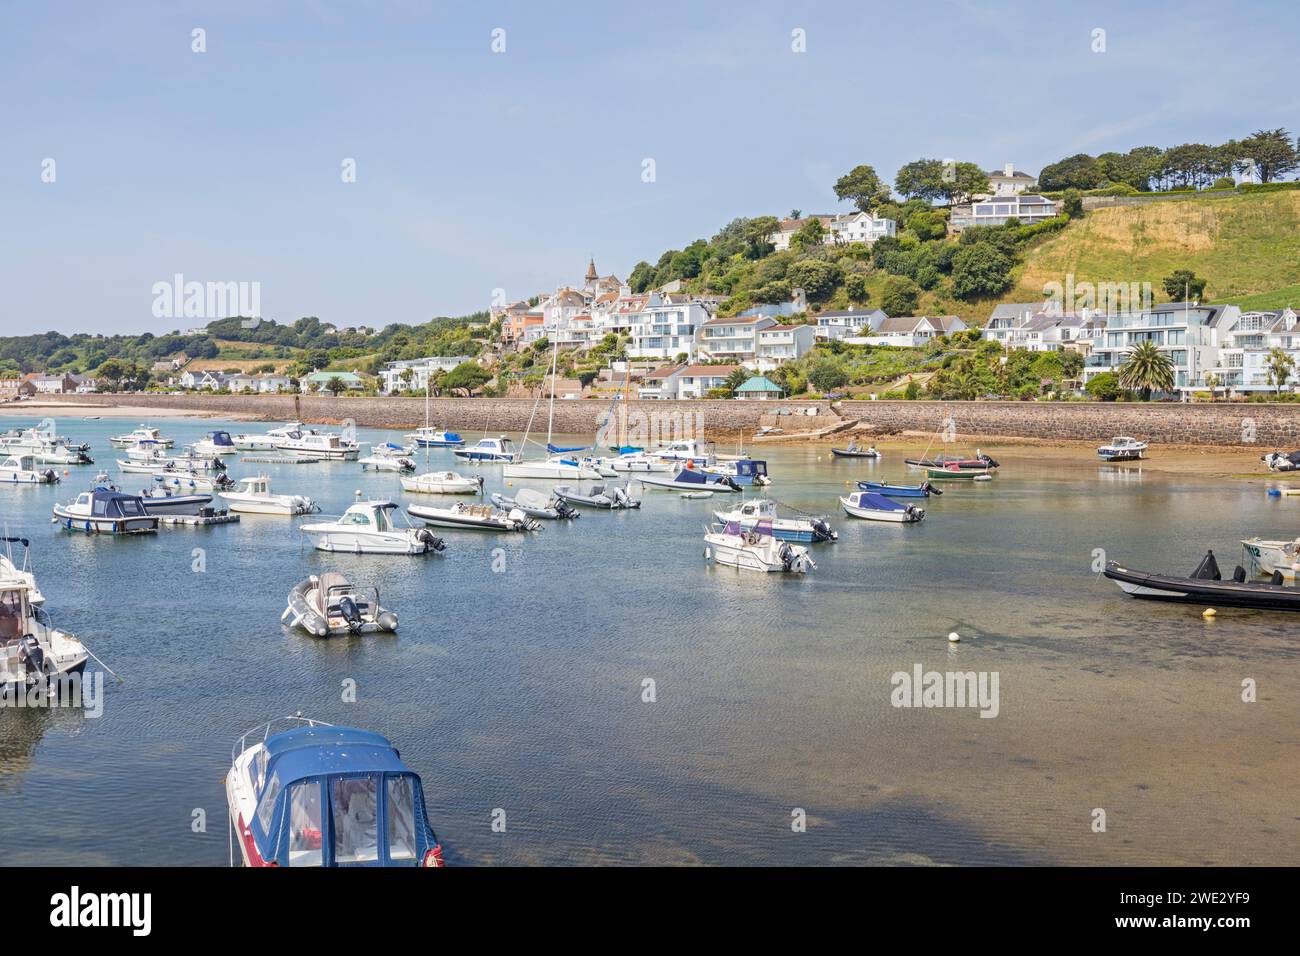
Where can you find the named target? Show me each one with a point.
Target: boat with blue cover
(489, 449)
(313, 794)
(691, 479)
(743, 471)
(923, 490)
(429, 437)
(874, 507)
(105, 511)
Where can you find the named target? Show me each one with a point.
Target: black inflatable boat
(1206, 586)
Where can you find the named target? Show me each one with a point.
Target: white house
(684, 381)
(1028, 209)
(414, 374)
(1010, 181)
(734, 339)
(910, 330)
(837, 325)
(778, 344)
(1242, 363)
(664, 329)
(851, 227)
(1188, 334)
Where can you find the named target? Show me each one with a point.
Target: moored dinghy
(387, 463)
(254, 497)
(874, 507)
(853, 451)
(598, 495)
(1206, 587)
(318, 795)
(331, 604)
(755, 549)
(923, 490)
(690, 479)
(535, 504)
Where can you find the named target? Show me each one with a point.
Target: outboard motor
(822, 531)
(32, 655)
(1208, 569)
(729, 482)
(351, 613)
(427, 537)
(50, 475)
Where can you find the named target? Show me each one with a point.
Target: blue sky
(478, 171)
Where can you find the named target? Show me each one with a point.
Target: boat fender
(954, 637)
(387, 620)
(1209, 613)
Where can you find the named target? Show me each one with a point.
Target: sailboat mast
(550, 415)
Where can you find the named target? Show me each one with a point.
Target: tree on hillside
(961, 181)
(1272, 151)
(1183, 286)
(855, 284)
(467, 376)
(818, 278)
(1080, 171)
(1147, 369)
(921, 179)
(1072, 203)
(809, 235)
(863, 187)
(980, 270)
(1136, 168)
(1279, 366)
(899, 296)
(827, 374)
(113, 371)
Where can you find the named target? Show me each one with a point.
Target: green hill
(1246, 246)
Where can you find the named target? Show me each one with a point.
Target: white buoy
(357, 493)
(954, 637)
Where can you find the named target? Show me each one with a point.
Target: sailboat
(560, 462)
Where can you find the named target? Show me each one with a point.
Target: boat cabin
(108, 503)
(757, 508)
(221, 439)
(747, 469)
(336, 796)
(255, 485)
(373, 515)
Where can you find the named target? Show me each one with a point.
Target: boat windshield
(306, 846)
(11, 616)
(400, 810)
(381, 520)
(354, 806)
(355, 517)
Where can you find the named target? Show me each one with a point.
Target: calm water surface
(522, 689)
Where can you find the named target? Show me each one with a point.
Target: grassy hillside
(1246, 246)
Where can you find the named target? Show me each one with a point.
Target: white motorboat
(215, 443)
(632, 463)
(313, 445)
(598, 495)
(46, 447)
(391, 449)
(368, 528)
(330, 604)
(162, 498)
(755, 549)
(489, 449)
(696, 451)
(254, 496)
(430, 437)
(250, 441)
(193, 481)
(535, 504)
(144, 433)
(104, 511)
(386, 463)
(24, 470)
(10, 569)
(690, 478)
(32, 650)
(1268, 555)
(1122, 448)
(444, 483)
(476, 517)
(748, 514)
(146, 460)
(877, 507)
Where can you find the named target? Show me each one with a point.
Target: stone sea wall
(1246, 424)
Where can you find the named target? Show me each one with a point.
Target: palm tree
(1147, 369)
(1212, 383)
(1279, 365)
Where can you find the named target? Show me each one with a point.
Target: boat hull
(844, 453)
(895, 491)
(465, 486)
(15, 476)
(71, 521)
(177, 504)
(346, 542)
(902, 516)
(254, 505)
(1163, 587)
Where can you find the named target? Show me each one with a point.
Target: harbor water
(602, 694)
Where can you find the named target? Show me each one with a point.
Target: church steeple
(591, 270)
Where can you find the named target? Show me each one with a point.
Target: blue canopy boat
(743, 471)
(690, 479)
(320, 795)
(923, 490)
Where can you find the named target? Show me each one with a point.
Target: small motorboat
(215, 443)
(1122, 448)
(923, 490)
(755, 549)
(23, 470)
(104, 511)
(444, 483)
(46, 447)
(162, 498)
(559, 464)
(254, 497)
(598, 495)
(1206, 587)
(330, 604)
(690, 478)
(32, 650)
(391, 449)
(1268, 556)
(248, 441)
(430, 437)
(743, 471)
(536, 504)
(194, 481)
(144, 459)
(749, 514)
(1281, 460)
(630, 463)
(874, 507)
(386, 463)
(695, 451)
(10, 569)
(142, 434)
(489, 449)
(980, 461)
(302, 792)
(476, 517)
(954, 472)
(853, 451)
(368, 528)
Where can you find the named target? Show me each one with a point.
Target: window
(306, 845)
(402, 840)
(354, 807)
(266, 808)
(358, 517)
